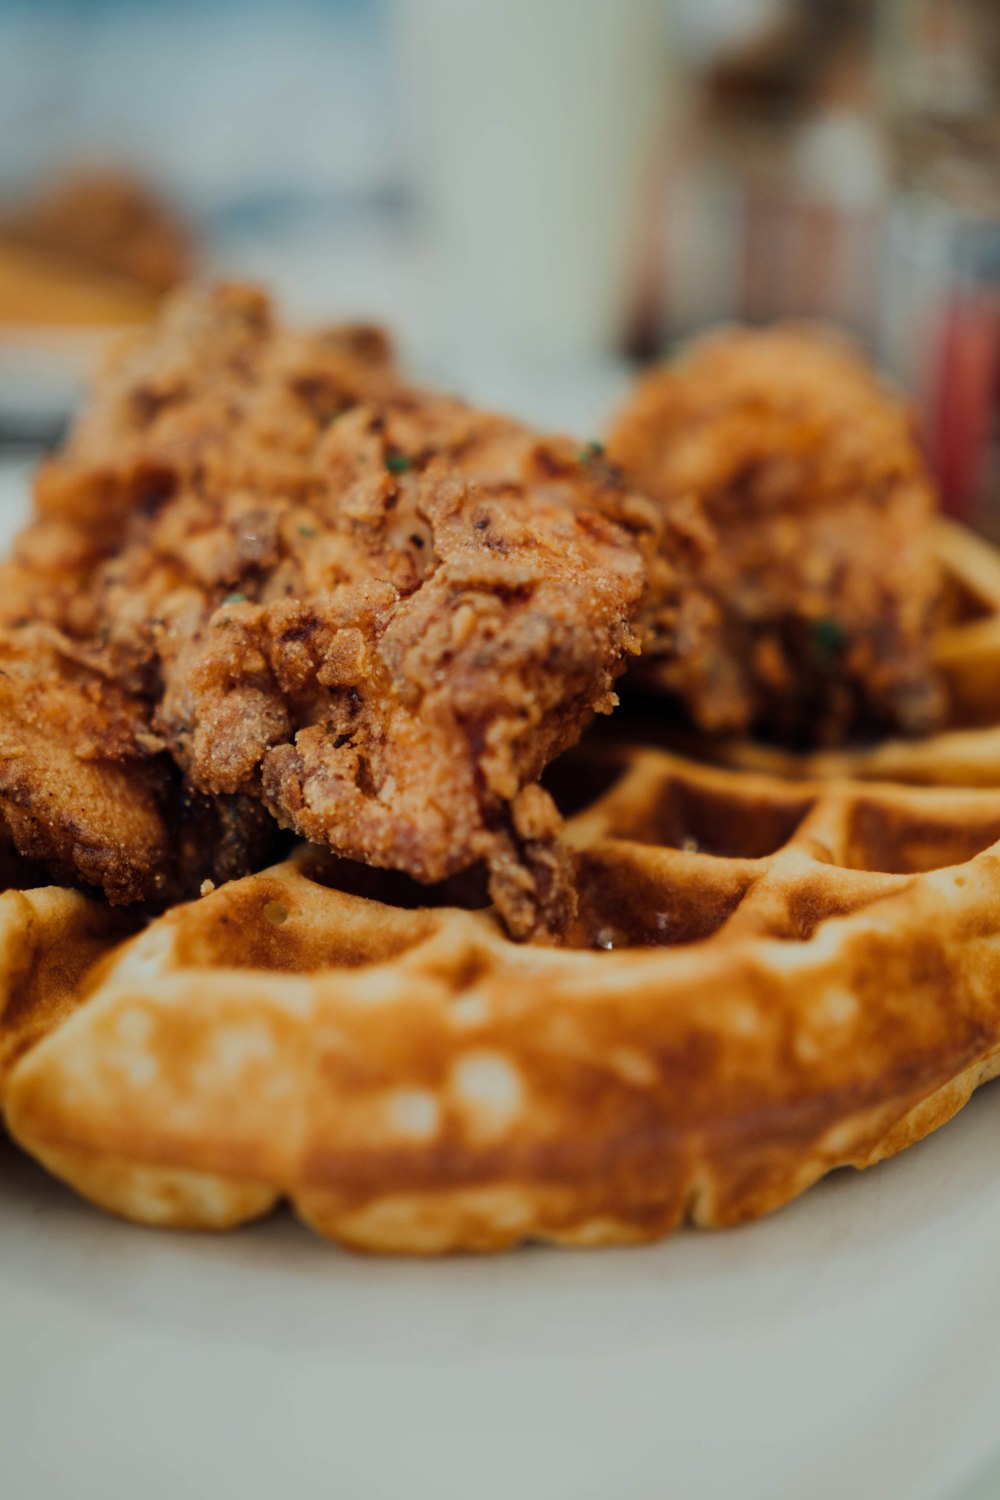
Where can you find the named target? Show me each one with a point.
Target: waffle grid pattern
(765, 981)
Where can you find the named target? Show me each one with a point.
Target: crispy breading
(77, 791)
(819, 595)
(377, 610)
(87, 791)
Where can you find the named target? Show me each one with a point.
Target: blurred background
(534, 194)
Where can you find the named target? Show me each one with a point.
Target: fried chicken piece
(76, 790)
(86, 791)
(421, 654)
(819, 595)
(216, 404)
(86, 784)
(379, 611)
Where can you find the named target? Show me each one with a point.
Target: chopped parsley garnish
(308, 531)
(593, 449)
(235, 599)
(828, 637)
(398, 463)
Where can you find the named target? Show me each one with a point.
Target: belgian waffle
(967, 653)
(766, 981)
(50, 940)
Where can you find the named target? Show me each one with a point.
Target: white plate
(844, 1348)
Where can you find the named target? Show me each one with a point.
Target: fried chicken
(85, 788)
(378, 611)
(818, 596)
(76, 790)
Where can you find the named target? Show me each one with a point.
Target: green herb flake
(308, 531)
(235, 599)
(398, 463)
(827, 637)
(593, 449)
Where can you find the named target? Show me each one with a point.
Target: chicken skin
(818, 595)
(86, 791)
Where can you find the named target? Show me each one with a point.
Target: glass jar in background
(777, 205)
(530, 128)
(941, 313)
(813, 227)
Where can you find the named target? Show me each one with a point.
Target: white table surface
(845, 1349)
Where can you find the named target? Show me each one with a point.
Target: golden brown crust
(818, 597)
(50, 940)
(87, 792)
(79, 792)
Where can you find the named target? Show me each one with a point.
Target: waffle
(42, 292)
(50, 940)
(766, 981)
(967, 653)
